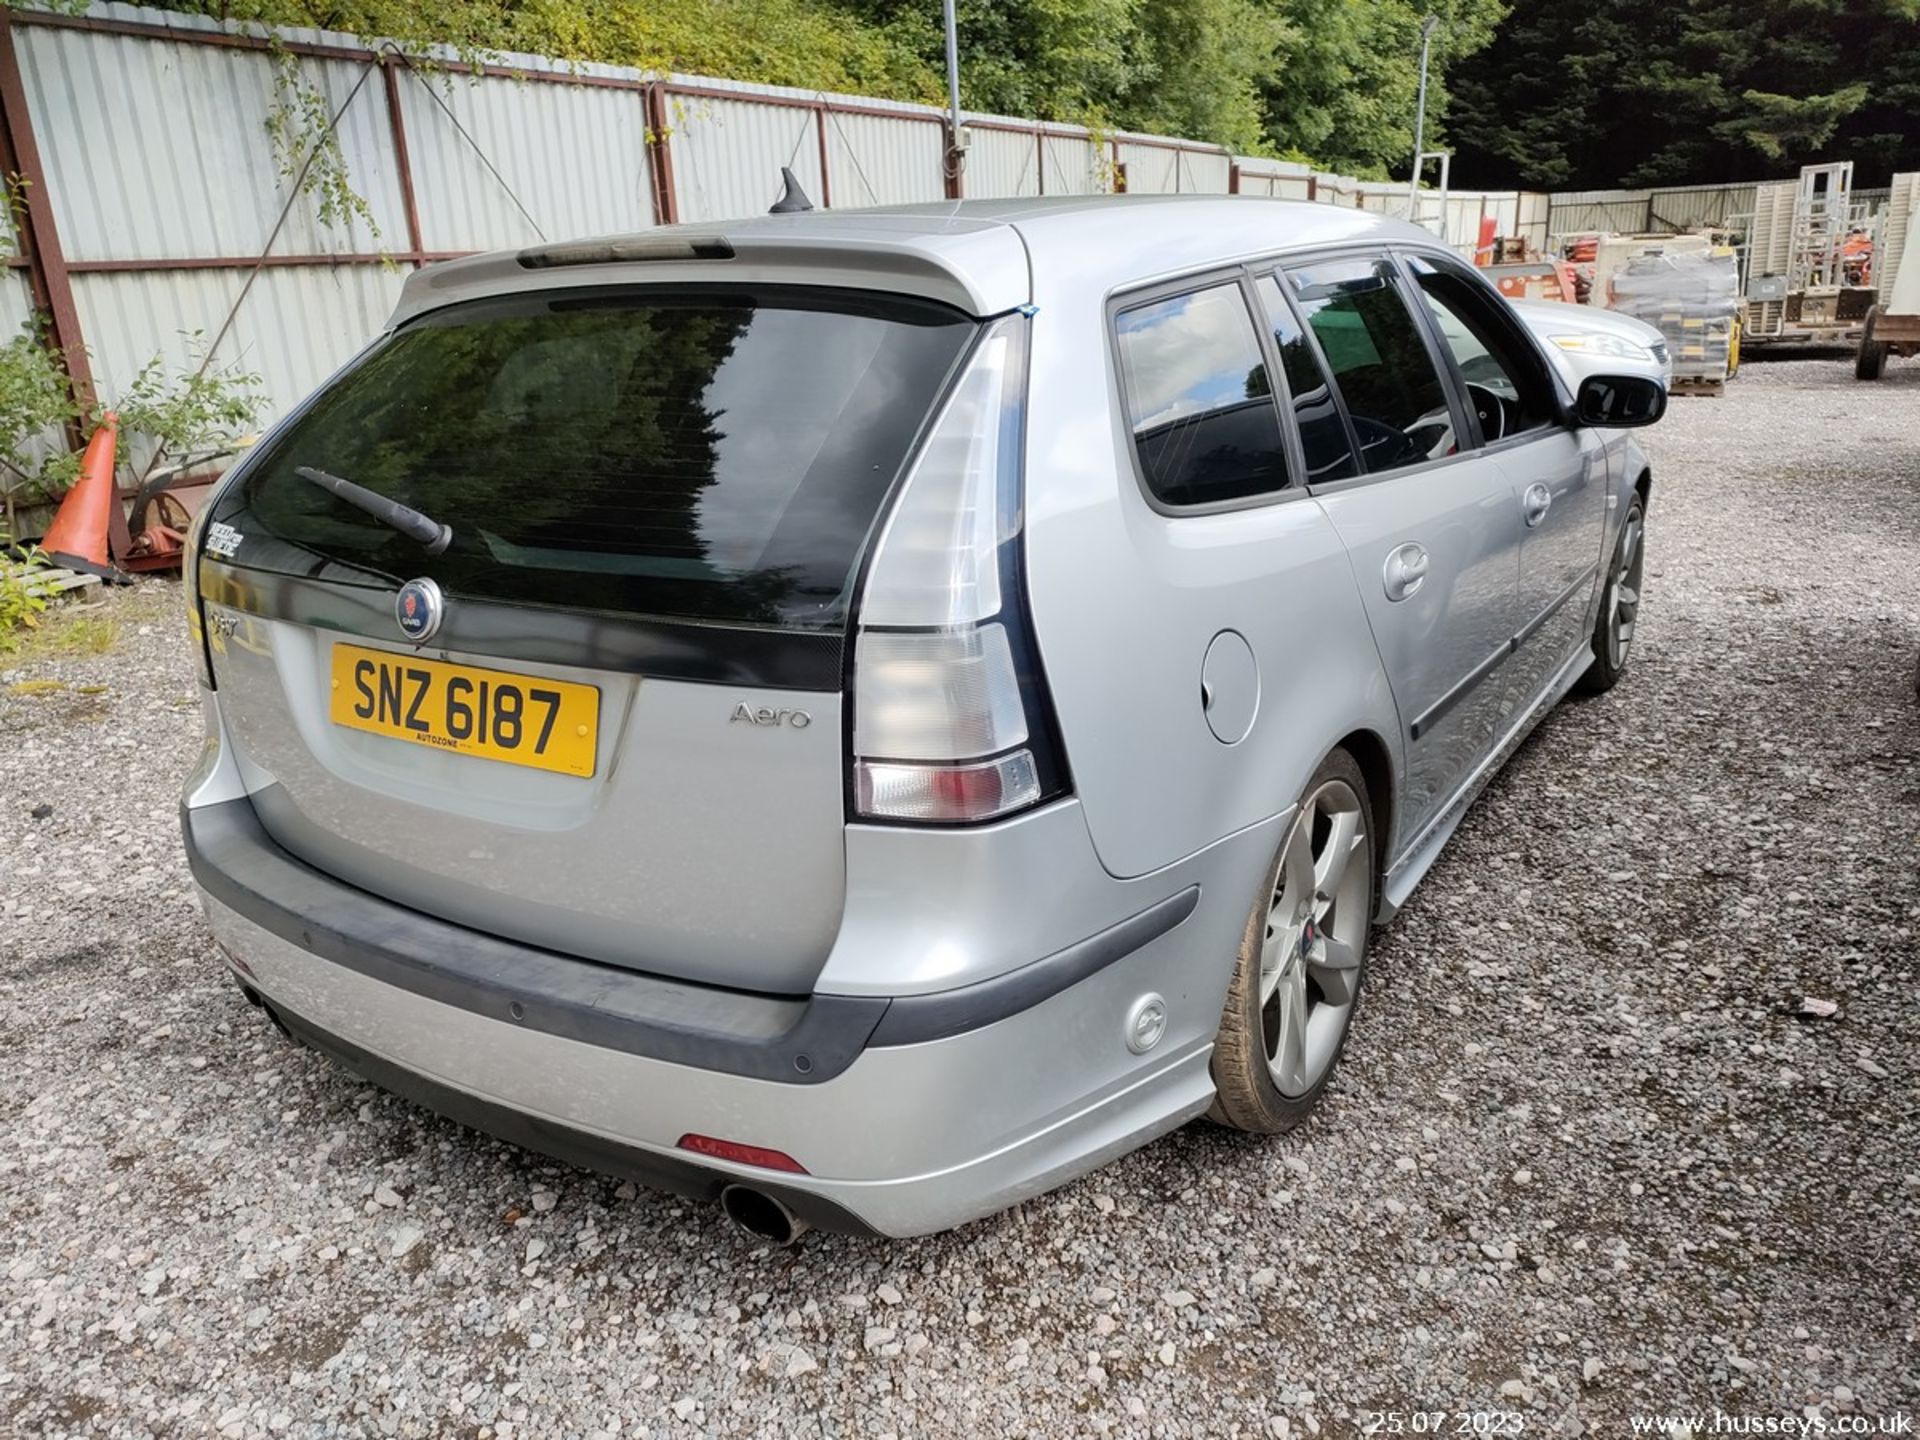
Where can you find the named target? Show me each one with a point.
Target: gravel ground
(1583, 1161)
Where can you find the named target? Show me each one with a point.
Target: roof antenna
(792, 198)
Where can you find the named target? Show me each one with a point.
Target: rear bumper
(911, 1114)
(577, 1147)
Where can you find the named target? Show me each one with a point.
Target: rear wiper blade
(408, 521)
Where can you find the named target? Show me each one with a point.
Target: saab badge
(418, 609)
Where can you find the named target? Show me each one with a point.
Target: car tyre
(1296, 983)
(1619, 606)
(1871, 358)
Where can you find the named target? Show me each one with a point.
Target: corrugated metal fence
(1632, 212)
(152, 190)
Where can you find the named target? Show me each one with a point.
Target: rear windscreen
(713, 454)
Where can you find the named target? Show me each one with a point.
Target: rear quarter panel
(1126, 601)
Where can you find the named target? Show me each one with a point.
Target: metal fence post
(403, 159)
(820, 134)
(666, 204)
(952, 174)
(40, 237)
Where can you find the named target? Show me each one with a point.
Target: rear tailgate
(623, 740)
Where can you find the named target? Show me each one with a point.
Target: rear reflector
(951, 793)
(741, 1154)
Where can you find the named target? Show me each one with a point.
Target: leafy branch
(301, 126)
(196, 409)
(35, 403)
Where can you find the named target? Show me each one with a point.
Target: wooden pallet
(1697, 385)
(47, 581)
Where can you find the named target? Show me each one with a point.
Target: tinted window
(1506, 386)
(1381, 364)
(1199, 400)
(1323, 434)
(712, 454)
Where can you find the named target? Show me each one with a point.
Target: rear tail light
(951, 719)
(190, 585)
(936, 695)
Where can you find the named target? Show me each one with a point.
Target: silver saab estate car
(863, 717)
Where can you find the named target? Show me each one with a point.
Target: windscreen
(712, 454)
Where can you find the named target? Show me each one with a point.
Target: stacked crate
(1694, 301)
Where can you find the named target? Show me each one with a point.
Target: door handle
(1535, 501)
(1405, 571)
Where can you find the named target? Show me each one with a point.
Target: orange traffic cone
(77, 538)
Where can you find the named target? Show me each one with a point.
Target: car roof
(985, 256)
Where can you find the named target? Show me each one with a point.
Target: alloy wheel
(1623, 591)
(1315, 935)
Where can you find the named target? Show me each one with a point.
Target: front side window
(1199, 401)
(1323, 434)
(1506, 385)
(1379, 361)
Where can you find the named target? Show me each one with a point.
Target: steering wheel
(1375, 435)
(1492, 410)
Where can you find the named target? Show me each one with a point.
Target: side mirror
(1619, 402)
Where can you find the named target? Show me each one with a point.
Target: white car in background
(1583, 341)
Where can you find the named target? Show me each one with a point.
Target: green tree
(1643, 93)
(1052, 59)
(1344, 91)
(1202, 68)
(815, 44)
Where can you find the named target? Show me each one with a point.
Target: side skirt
(1418, 857)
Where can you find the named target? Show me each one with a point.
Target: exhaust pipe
(259, 1002)
(760, 1215)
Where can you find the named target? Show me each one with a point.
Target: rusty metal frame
(820, 134)
(666, 200)
(44, 261)
(397, 123)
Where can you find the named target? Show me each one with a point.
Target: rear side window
(1506, 384)
(1323, 434)
(713, 454)
(1379, 361)
(1199, 401)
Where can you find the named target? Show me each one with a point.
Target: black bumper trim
(562, 1142)
(913, 1019)
(794, 1039)
(801, 1040)
(1436, 712)
(1424, 722)
(1553, 606)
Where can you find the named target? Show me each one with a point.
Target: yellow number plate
(548, 724)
